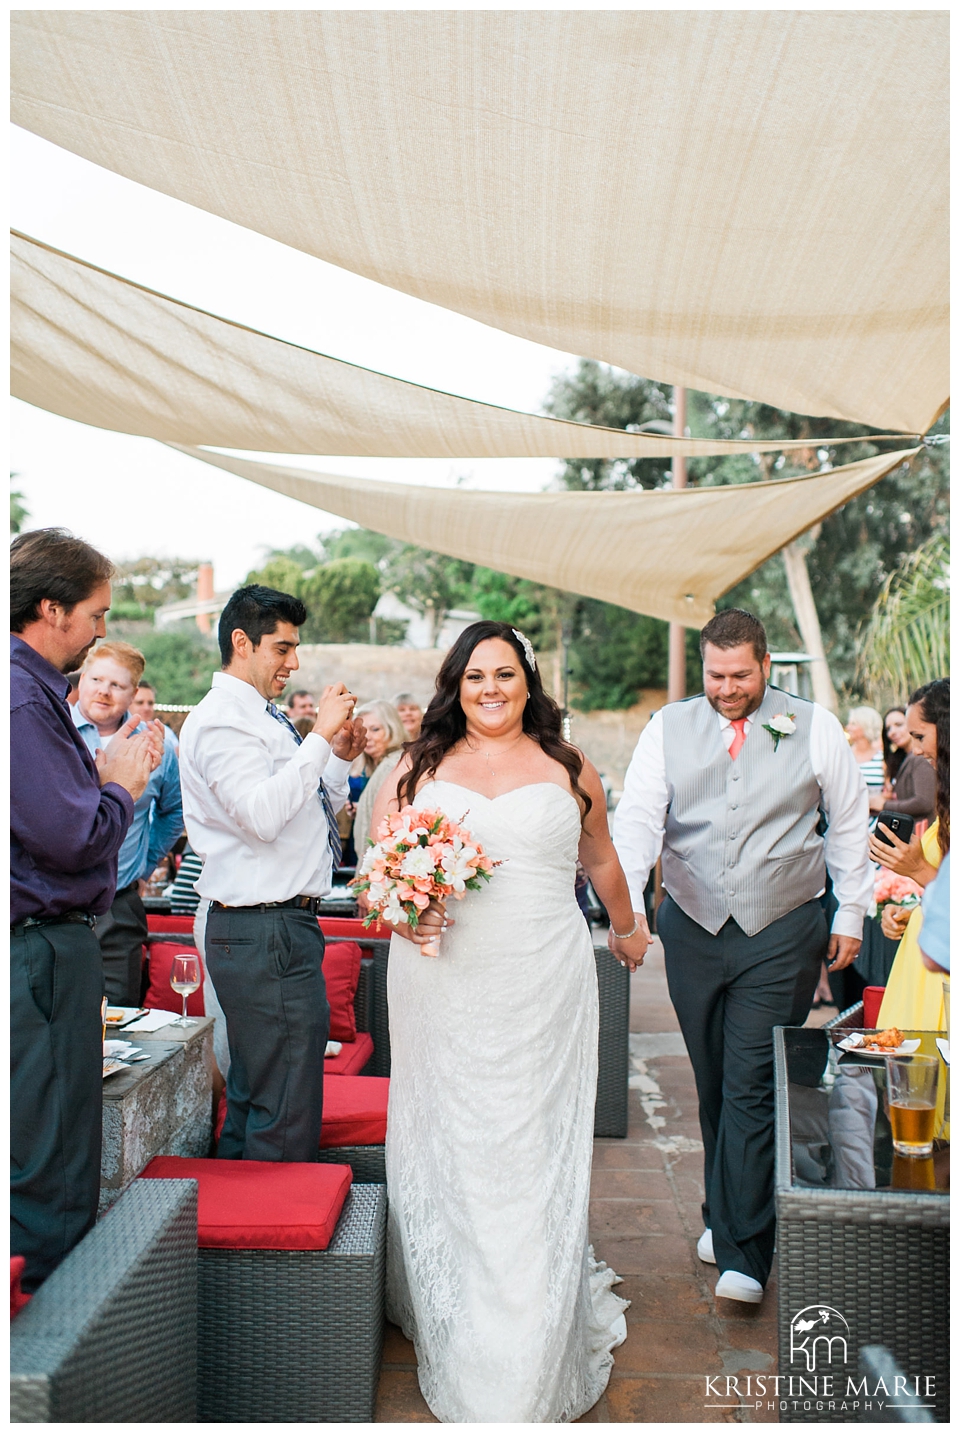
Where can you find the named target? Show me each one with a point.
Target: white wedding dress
(490, 1131)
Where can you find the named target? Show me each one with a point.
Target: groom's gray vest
(740, 837)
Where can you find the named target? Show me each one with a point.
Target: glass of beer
(912, 1100)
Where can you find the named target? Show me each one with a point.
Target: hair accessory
(527, 646)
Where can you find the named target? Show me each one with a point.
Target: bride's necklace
(476, 751)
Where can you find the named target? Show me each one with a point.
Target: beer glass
(912, 1101)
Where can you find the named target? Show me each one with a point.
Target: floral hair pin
(527, 646)
(780, 726)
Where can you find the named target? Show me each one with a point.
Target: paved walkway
(645, 1222)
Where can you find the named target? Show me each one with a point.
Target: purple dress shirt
(65, 828)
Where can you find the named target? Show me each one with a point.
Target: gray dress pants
(122, 934)
(729, 990)
(56, 1092)
(266, 965)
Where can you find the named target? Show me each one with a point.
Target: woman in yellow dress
(914, 994)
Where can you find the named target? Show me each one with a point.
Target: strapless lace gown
(490, 1131)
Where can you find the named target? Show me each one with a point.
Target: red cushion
(354, 1111)
(159, 994)
(872, 1000)
(341, 972)
(253, 1204)
(170, 925)
(349, 926)
(352, 1057)
(18, 1299)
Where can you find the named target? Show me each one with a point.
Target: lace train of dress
(490, 1131)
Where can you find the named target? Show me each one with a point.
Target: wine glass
(185, 979)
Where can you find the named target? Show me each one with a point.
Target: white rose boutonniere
(780, 726)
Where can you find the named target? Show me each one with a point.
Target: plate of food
(119, 1015)
(878, 1044)
(112, 1066)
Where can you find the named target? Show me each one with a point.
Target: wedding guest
(914, 995)
(260, 805)
(730, 786)
(108, 685)
(301, 705)
(410, 713)
(74, 679)
(182, 895)
(144, 705)
(69, 814)
(864, 728)
(385, 736)
(911, 785)
(935, 935)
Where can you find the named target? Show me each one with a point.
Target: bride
(494, 1057)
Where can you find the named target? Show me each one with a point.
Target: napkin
(333, 1048)
(944, 1047)
(153, 1020)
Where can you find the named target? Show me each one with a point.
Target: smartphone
(901, 826)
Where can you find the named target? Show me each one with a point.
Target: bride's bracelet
(627, 933)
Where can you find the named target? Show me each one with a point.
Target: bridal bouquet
(419, 856)
(893, 890)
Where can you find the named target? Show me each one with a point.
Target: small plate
(113, 1066)
(853, 1045)
(120, 1015)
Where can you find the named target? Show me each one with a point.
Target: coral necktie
(739, 737)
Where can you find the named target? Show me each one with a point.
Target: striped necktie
(333, 831)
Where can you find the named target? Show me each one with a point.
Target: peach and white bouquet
(419, 856)
(889, 889)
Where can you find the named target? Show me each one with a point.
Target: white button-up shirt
(250, 799)
(639, 819)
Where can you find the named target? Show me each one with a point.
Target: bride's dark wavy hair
(444, 723)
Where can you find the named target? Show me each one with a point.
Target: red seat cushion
(159, 995)
(349, 926)
(354, 1111)
(352, 1057)
(341, 972)
(252, 1204)
(872, 1000)
(18, 1299)
(170, 925)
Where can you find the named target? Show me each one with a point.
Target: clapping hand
(350, 741)
(131, 758)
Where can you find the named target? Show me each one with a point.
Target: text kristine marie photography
(820, 1344)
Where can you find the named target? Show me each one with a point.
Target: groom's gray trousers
(729, 990)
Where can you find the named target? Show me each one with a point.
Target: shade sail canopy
(751, 203)
(97, 348)
(668, 554)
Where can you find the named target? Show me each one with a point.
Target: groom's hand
(842, 951)
(333, 709)
(350, 740)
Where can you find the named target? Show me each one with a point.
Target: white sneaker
(732, 1285)
(705, 1248)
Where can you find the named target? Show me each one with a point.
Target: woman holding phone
(914, 996)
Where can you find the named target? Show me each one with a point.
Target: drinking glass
(946, 1007)
(912, 1100)
(185, 979)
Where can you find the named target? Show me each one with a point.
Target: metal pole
(676, 650)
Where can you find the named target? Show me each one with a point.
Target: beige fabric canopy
(94, 347)
(746, 202)
(668, 554)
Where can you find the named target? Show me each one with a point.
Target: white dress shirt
(250, 799)
(639, 819)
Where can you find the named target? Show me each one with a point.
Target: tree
(847, 558)
(18, 509)
(906, 640)
(428, 582)
(143, 584)
(340, 597)
(280, 571)
(179, 664)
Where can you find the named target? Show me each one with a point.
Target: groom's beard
(736, 711)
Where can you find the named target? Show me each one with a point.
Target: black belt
(295, 903)
(68, 917)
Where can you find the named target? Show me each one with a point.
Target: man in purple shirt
(69, 813)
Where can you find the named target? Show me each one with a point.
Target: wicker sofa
(112, 1333)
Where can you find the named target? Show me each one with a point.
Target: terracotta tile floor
(645, 1222)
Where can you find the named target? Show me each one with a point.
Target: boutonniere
(780, 726)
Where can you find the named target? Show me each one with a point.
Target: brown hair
(121, 652)
(933, 699)
(51, 563)
(733, 628)
(444, 723)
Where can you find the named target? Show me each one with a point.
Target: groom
(752, 795)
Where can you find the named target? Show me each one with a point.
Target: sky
(132, 496)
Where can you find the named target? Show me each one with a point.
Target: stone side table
(163, 1105)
